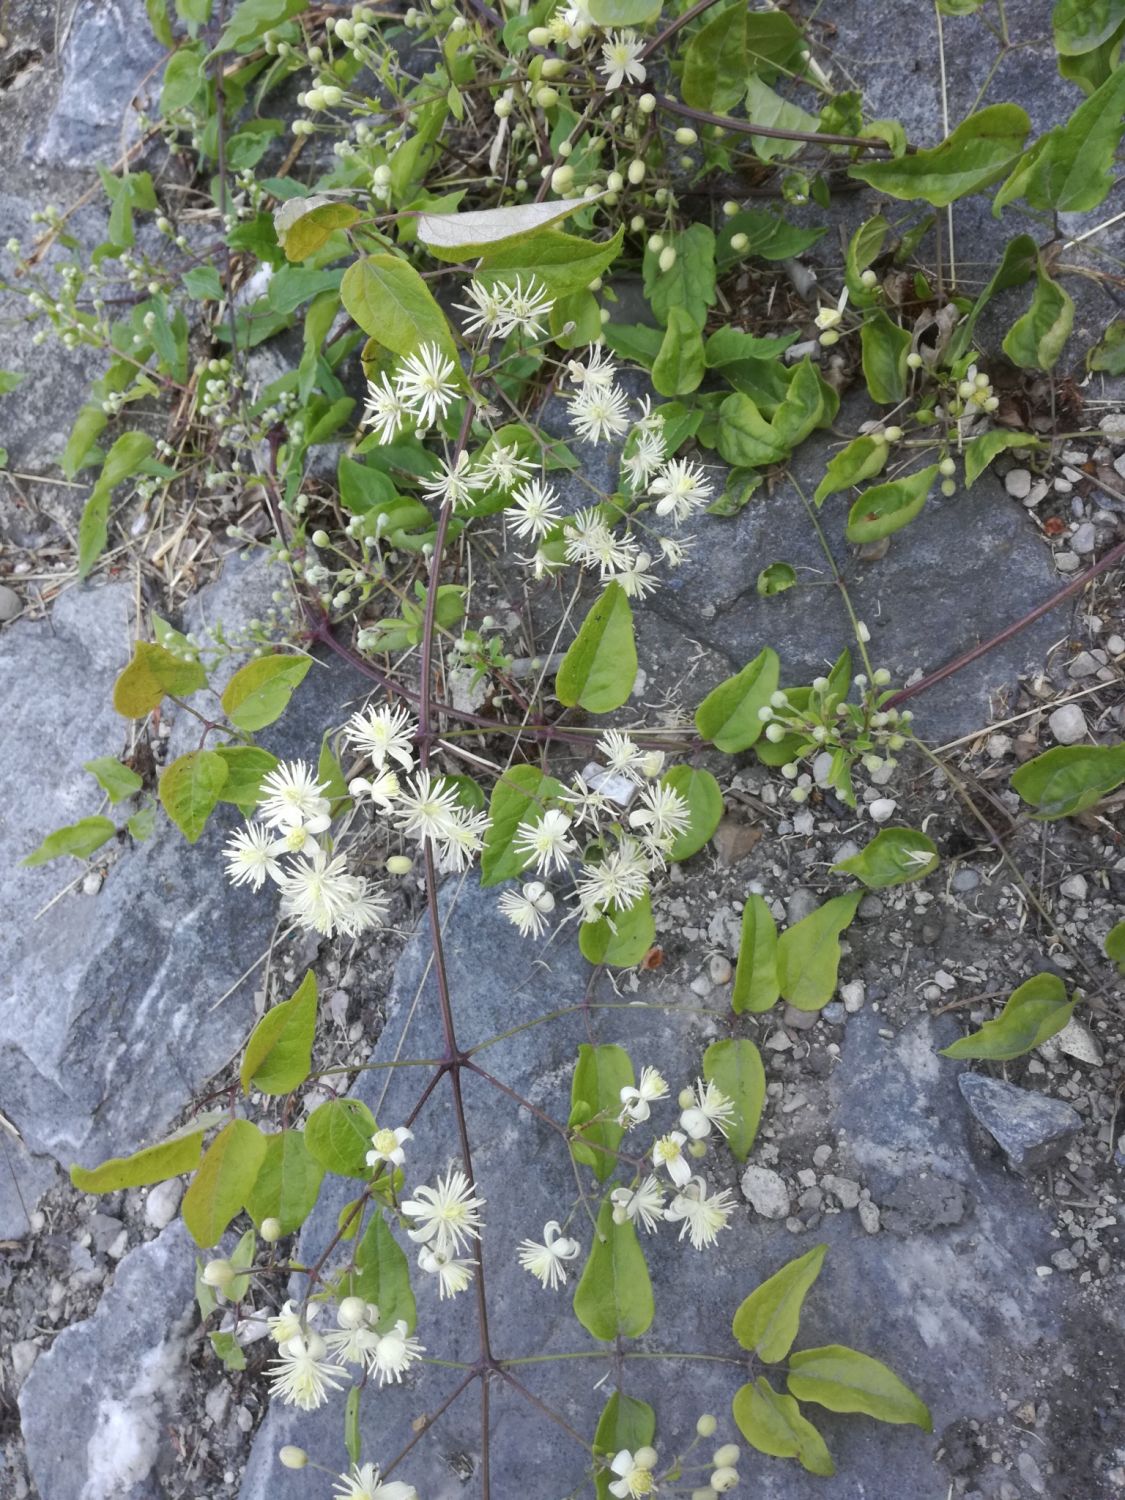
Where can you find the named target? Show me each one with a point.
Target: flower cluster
(500, 308)
(420, 393)
(285, 842)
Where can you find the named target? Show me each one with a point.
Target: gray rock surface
(1032, 1129)
(961, 1298)
(94, 1408)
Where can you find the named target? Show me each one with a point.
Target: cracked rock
(1031, 1129)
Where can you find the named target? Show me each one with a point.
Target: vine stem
(775, 132)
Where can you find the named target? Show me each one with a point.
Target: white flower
(362, 1482)
(528, 908)
(636, 579)
(291, 797)
(569, 25)
(526, 306)
(622, 755)
(386, 1146)
(319, 894)
(599, 411)
(546, 1260)
(674, 552)
(301, 1375)
(428, 810)
(489, 312)
(287, 1324)
(456, 483)
(534, 510)
(646, 457)
(622, 52)
(382, 733)
(463, 839)
(599, 368)
(645, 1202)
(701, 1215)
(393, 1354)
(385, 411)
(547, 841)
(453, 1275)
(382, 790)
(425, 382)
(663, 815)
(449, 1214)
(711, 1110)
(635, 1474)
(830, 317)
(355, 1338)
(683, 487)
(590, 542)
(504, 467)
(637, 1101)
(667, 1152)
(251, 854)
(620, 880)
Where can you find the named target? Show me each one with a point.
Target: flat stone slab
(94, 1409)
(957, 1311)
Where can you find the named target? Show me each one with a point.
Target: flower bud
(399, 864)
(723, 1457)
(637, 223)
(667, 257)
(914, 360)
(947, 467)
(739, 242)
(724, 1479)
(775, 733)
(546, 97)
(352, 1312)
(686, 136)
(869, 279)
(949, 487)
(292, 1457)
(615, 182)
(636, 171)
(646, 1457)
(270, 1230)
(730, 208)
(321, 539)
(502, 108)
(539, 36)
(646, 103)
(656, 243)
(893, 434)
(332, 94)
(707, 1425)
(218, 1273)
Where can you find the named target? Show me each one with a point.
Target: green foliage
(124, 459)
(679, 366)
(1031, 1014)
(980, 451)
(735, 1067)
(767, 1320)
(1036, 340)
(1108, 354)
(863, 458)
(690, 284)
(729, 717)
(223, 1181)
(1017, 265)
(808, 953)
(844, 1380)
(118, 782)
(595, 1096)
(151, 674)
(774, 1424)
(894, 856)
(251, 18)
(259, 692)
(563, 263)
(173, 1157)
(625, 1423)
(613, 1299)
(390, 301)
(1070, 169)
(382, 1276)
(288, 1182)
(756, 986)
(1115, 947)
(79, 839)
(247, 766)
(1070, 778)
(979, 151)
(886, 508)
(600, 667)
(619, 938)
(885, 346)
(279, 1053)
(190, 788)
(339, 1136)
(700, 791)
(520, 796)
(775, 579)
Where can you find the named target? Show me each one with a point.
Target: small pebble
(720, 968)
(853, 994)
(766, 1192)
(965, 880)
(799, 1020)
(882, 809)
(1067, 562)
(870, 909)
(92, 882)
(1079, 1042)
(10, 603)
(1085, 539)
(701, 986)
(1115, 645)
(1068, 724)
(998, 746)
(1083, 665)
(842, 1188)
(1017, 482)
(162, 1202)
(1074, 887)
(869, 1217)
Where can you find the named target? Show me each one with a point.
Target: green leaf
(288, 1182)
(117, 781)
(488, 231)
(773, 1424)
(520, 796)
(625, 1423)
(173, 1157)
(679, 368)
(1070, 169)
(595, 1089)
(1083, 25)
(715, 63)
(184, 77)
(228, 1350)
(79, 839)
(844, 1380)
(80, 448)
(390, 301)
(766, 1322)
(623, 12)
(770, 238)
(735, 1067)
(223, 1181)
(190, 788)
(637, 342)
(303, 225)
(746, 439)
(251, 19)
(619, 938)
(886, 508)
(894, 856)
(614, 1297)
(247, 766)
(1031, 1014)
(142, 824)
(339, 1136)
(729, 716)
(765, 107)
(1016, 266)
(980, 452)
(1108, 353)
(809, 403)
(1070, 778)
(382, 1276)
(9, 380)
(1115, 947)
(700, 791)
(756, 986)
(153, 672)
(808, 953)
(563, 263)
(1035, 341)
(864, 248)
(599, 669)
(885, 346)
(690, 284)
(353, 1442)
(279, 1053)
(863, 458)
(259, 692)
(974, 155)
(123, 459)
(775, 579)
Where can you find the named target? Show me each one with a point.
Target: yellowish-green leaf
(893, 856)
(520, 796)
(863, 458)
(1035, 1011)
(339, 1136)
(808, 953)
(173, 1157)
(767, 1320)
(599, 669)
(390, 301)
(259, 692)
(842, 1379)
(279, 1053)
(1070, 778)
(190, 788)
(756, 985)
(773, 1424)
(224, 1181)
(978, 152)
(79, 839)
(620, 938)
(700, 791)
(613, 1299)
(887, 508)
(729, 717)
(625, 1423)
(382, 1276)
(1035, 341)
(288, 1182)
(980, 452)
(734, 1066)
(151, 674)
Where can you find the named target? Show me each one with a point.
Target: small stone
(1037, 493)
(10, 603)
(23, 1354)
(766, 1192)
(1064, 1260)
(720, 968)
(1067, 562)
(842, 1188)
(853, 994)
(1079, 1042)
(1083, 665)
(1115, 645)
(922, 1202)
(162, 1202)
(1029, 1473)
(734, 839)
(1017, 482)
(870, 909)
(1032, 1129)
(882, 809)
(801, 903)
(1074, 887)
(965, 879)
(701, 986)
(834, 1013)
(1085, 539)
(1068, 724)
(998, 746)
(822, 1155)
(799, 1020)
(1113, 425)
(869, 1217)
(777, 1041)
(105, 1232)
(1119, 465)
(92, 882)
